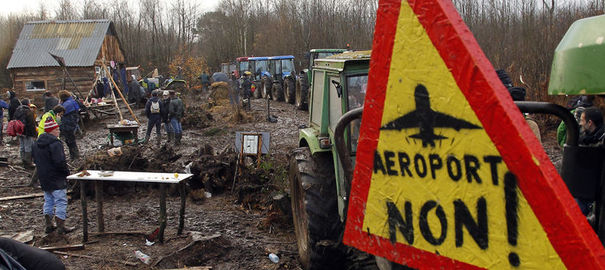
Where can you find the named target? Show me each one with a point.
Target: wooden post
(162, 212)
(99, 198)
(122, 96)
(84, 212)
(259, 150)
(182, 211)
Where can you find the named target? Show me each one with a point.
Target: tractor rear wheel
(277, 92)
(267, 84)
(290, 90)
(314, 208)
(302, 88)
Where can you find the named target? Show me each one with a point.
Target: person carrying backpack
(13, 104)
(24, 114)
(153, 110)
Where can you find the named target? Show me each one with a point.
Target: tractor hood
(579, 60)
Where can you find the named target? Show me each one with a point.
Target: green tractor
(305, 79)
(318, 188)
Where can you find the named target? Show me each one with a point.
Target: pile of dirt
(196, 117)
(211, 171)
(133, 158)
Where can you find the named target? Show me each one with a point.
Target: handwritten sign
(448, 174)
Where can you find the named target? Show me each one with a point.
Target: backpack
(15, 128)
(155, 106)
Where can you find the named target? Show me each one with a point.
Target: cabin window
(35, 85)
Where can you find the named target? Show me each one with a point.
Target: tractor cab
(301, 97)
(241, 64)
(284, 78)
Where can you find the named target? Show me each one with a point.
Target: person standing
(153, 110)
(205, 78)
(50, 101)
(176, 111)
(52, 167)
(24, 114)
(57, 111)
(69, 123)
(3, 105)
(164, 107)
(13, 104)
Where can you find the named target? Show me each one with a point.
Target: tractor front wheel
(277, 92)
(314, 208)
(290, 90)
(302, 88)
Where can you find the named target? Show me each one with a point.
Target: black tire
(290, 90)
(302, 88)
(277, 92)
(267, 84)
(314, 208)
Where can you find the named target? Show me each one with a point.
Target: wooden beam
(122, 96)
(64, 248)
(120, 233)
(27, 196)
(95, 258)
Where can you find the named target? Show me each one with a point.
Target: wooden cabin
(83, 45)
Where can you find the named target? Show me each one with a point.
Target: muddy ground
(238, 229)
(233, 229)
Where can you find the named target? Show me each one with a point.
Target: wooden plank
(120, 233)
(64, 248)
(27, 196)
(95, 258)
(193, 268)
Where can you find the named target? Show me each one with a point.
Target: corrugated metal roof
(78, 42)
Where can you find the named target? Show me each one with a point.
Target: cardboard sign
(448, 174)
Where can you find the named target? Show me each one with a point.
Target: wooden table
(133, 177)
(134, 129)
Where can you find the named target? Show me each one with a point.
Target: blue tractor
(261, 78)
(283, 81)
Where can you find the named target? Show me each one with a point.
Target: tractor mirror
(338, 87)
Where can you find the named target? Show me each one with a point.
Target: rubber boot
(27, 160)
(74, 153)
(170, 136)
(34, 180)
(61, 228)
(177, 138)
(49, 224)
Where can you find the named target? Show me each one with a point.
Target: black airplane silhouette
(427, 119)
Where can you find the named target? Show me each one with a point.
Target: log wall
(53, 78)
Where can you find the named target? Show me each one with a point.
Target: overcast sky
(22, 6)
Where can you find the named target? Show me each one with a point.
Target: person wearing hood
(13, 104)
(52, 170)
(25, 114)
(69, 122)
(165, 103)
(153, 111)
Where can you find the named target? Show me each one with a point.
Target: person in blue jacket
(69, 122)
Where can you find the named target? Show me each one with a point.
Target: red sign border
(567, 229)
